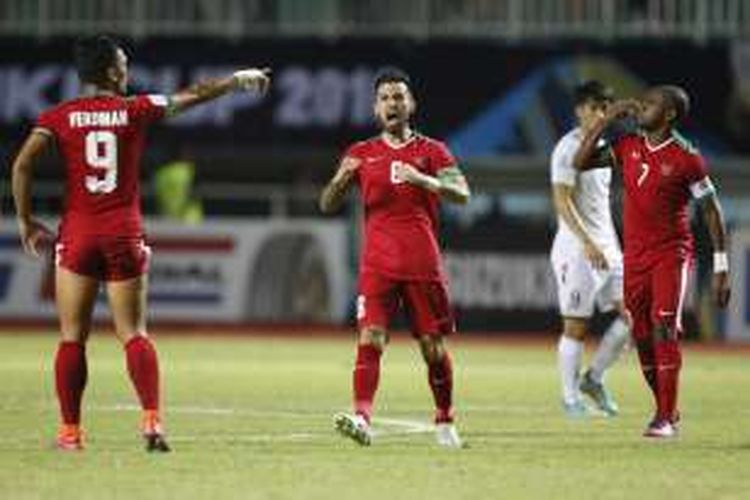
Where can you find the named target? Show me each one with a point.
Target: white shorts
(580, 287)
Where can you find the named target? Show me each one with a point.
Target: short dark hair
(677, 99)
(591, 90)
(93, 56)
(390, 74)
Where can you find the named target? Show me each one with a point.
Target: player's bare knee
(432, 347)
(126, 335)
(74, 329)
(74, 334)
(375, 336)
(574, 328)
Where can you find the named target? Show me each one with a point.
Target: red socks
(668, 364)
(71, 373)
(366, 377)
(647, 358)
(661, 361)
(440, 375)
(143, 367)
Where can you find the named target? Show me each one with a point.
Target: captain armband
(171, 108)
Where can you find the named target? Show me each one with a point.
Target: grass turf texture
(251, 418)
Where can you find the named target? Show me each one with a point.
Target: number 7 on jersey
(644, 173)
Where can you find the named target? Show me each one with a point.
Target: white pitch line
(207, 410)
(383, 426)
(253, 438)
(407, 426)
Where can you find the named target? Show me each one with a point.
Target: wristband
(247, 79)
(721, 262)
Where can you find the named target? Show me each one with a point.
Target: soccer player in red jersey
(100, 136)
(661, 173)
(402, 176)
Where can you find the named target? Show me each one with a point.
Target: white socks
(569, 355)
(612, 344)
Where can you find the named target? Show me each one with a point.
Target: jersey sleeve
(562, 170)
(441, 157)
(697, 178)
(147, 108)
(46, 123)
(356, 151)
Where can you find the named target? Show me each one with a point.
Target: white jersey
(591, 197)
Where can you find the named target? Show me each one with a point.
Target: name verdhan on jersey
(110, 118)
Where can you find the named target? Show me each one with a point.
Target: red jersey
(659, 182)
(101, 140)
(401, 220)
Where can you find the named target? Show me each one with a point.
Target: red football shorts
(425, 303)
(655, 294)
(106, 258)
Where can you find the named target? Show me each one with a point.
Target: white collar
(659, 146)
(393, 145)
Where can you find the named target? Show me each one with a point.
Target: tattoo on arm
(198, 93)
(334, 193)
(332, 197)
(453, 185)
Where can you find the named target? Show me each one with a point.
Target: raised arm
(449, 183)
(589, 154)
(32, 231)
(334, 193)
(253, 79)
(712, 214)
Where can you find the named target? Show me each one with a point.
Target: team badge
(667, 169)
(420, 162)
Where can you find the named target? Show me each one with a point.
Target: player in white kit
(587, 262)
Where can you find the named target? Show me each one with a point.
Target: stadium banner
(738, 327)
(483, 97)
(299, 272)
(500, 277)
(502, 291)
(268, 271)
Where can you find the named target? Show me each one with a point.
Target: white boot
(354, 427)
(447, 436)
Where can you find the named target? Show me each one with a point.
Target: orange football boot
(69, 438)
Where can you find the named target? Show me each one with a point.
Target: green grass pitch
(251, 418)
